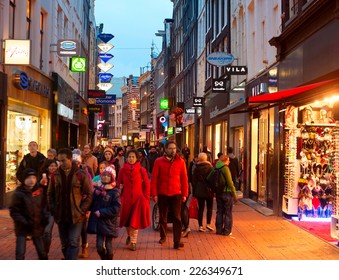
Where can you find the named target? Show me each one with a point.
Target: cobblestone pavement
(255, 237)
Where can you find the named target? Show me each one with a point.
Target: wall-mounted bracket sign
(105, 56)
(68, 47)
(105, 66)
(198, 101)
(189, 110)
(78, 64)
(105, 37)
(220, 58)
(105, 77)
(105, 47)
(96, 93)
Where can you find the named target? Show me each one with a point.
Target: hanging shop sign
(104, 86)
(105, 37)
(178, 129)
(68, 47)
(105, 77)
(189, 110)
(105, 47)
(64, 111)
(170, 131)
(17, 52)
(220, 58)
(94, 108)
(110, 99)
(164, 104)
(24, 82)
(105, 56)
(105, 67)
(96, 93)
(78, 64)
(198, 101)
(236, 70)
(219, 85)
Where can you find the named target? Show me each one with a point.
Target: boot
(109, 256)
(102, 254)
(84, 252)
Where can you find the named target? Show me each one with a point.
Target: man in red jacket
(169, 187)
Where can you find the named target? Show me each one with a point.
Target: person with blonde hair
(225, 199)
(201, 190)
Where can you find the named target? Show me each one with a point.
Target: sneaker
(202, 229)
(162, 241)
(133, 247)
(209, 228)
(178, 245)
(128, 240)
(186, 232)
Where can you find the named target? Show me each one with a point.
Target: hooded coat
(200, 185)
(135, 196)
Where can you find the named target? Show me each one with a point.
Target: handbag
(193, 208)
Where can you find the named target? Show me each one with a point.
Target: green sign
(170, 131)
(78, 64)
(164, 104)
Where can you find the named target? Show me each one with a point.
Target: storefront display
(311, 162)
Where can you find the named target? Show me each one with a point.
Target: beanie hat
(28, 172)
(108, 149)
(109, 170)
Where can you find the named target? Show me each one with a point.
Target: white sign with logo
(104, 86)
(105, 47)
(220, 58)
(17, 52)
(104, 67)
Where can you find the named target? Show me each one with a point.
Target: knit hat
(109, 171)
(28, 172)
(108, 149)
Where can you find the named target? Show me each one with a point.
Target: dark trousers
(20, 248)
(70, 239)
(201, 204)
(48, 233)
(172, 204)
(104, 246)
(224, 217)
(84, 233)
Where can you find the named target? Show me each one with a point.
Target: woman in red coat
(135, 198)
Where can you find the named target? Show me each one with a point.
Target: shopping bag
(193, 209)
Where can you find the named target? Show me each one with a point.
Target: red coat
(169, 177)
(135, 196)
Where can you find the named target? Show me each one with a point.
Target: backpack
(216, 180)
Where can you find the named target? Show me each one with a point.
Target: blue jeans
(104, 245)
(48, 233)
(20, 249)
(224, 217)
(70, 239)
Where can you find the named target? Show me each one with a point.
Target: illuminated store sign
(24, 82)
(17, 52)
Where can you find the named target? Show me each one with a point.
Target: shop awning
(280, 96)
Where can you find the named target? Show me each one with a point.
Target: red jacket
(135, 196)
(169, 177)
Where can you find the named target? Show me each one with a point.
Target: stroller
(184, 216)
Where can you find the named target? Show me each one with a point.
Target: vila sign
(190, 110)
(236, 70)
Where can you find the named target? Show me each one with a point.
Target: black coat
(109, 208)
(30, 162)
(200, 173)
(28, 211)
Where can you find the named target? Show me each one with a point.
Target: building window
(41, 38)
(11, 18)
(28, 18)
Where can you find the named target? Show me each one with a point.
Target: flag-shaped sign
(104, 86)
(105, 56)
(105, 77)
(105, 66)
(105, 47)
(105, 37)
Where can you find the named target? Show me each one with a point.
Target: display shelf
(335, 226)
(290, 205)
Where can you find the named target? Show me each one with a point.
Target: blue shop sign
(105, 77)
(109, 100)
(105, 37)
(105, 56)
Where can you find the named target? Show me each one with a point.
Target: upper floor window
(28, 18)
(11, 18)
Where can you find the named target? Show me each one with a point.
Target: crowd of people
(97, 191)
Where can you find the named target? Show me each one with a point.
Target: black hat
(28, 172)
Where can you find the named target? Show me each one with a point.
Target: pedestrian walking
(69, 198)
(96, 181)
(234, 167)
(109, 157)
(169, 188)
(135, 198)
(45, 174)
(143, 159)
(186, 153)
(103, 220)
(29, 214)
(152, 156)
(202, 191)
(90, 160)
(225, 199)
(34, 159)
(208, 153)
